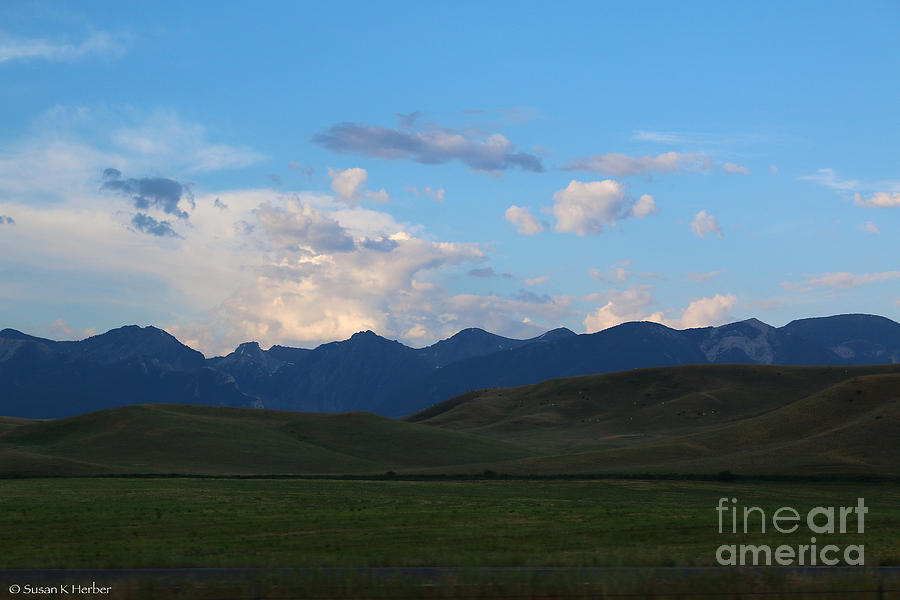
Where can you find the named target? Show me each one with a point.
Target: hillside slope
(751, 419)
(163, 438)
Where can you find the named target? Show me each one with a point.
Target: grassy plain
(123, 523)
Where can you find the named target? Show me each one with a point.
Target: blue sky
(295, 172)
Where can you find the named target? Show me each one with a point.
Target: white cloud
(774, 169)
(707, 311)
(842, 280)
(829, 178)
(735, 169)
(869, 227)
(99, 43)
(878, 200)
(703, 224)
(644, 207)
(622, 165)
(525, 222)
(632, 305)
(349, 186)
(583, 208)
(622, 307)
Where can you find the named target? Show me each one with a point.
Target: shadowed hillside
(162, 438)
(748, 419)
(751, 419)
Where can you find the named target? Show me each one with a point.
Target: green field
(121, 522)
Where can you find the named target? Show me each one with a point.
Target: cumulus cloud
(587, 207)
(349, 186)
(4, 220)
(878, 200)
(149, 225)
(525, 222)
(622, 165)
(98, 44)
(704, 224)
(439, 195)
(623, 306)
(315, 297)
(151, 192)
(491, 153)
(299, 226)
(735, 169)
(842, 280)
(707, 311)
(632, 305)
(644, 207)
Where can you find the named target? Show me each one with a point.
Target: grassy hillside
(749, 419)
(163, 438)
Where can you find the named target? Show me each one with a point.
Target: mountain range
(41, 378)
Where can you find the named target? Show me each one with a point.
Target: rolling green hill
(700, 419)
(165, 438)
(748, 419)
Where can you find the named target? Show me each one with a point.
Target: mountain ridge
(372, 373)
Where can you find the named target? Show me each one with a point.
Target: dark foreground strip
(491, 476)
(425, 573)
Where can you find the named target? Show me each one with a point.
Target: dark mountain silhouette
(130, 365)
(829, 341)
(473, 342)
(626, 346)
(252, 367)
(42, 378)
